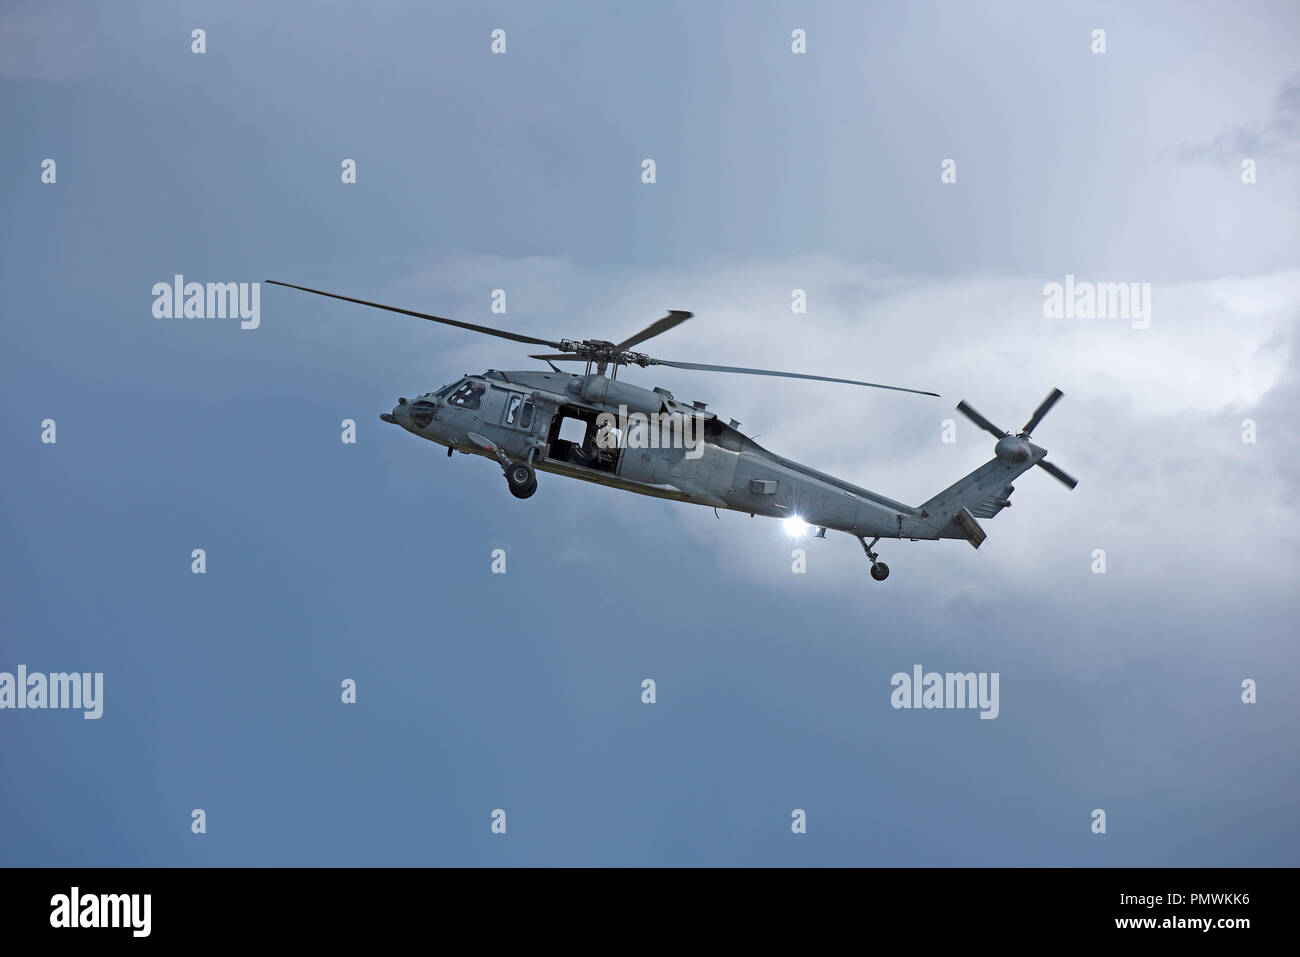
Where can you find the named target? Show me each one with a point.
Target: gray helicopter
(595, 428)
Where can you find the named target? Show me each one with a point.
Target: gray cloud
(1146, 410)
(1278, 138)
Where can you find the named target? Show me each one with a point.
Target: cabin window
(573, 430)
(519, 411)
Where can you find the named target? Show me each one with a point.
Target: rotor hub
(1012, 448)
(603, 351)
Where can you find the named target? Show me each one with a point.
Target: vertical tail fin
(981, 494)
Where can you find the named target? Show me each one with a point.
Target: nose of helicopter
(400, 414)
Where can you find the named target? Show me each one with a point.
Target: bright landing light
(795, 526)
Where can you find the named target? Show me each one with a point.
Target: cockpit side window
(468, 396)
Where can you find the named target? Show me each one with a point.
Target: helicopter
(595, 428)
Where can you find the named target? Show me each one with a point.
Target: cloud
(1151, 424)
(1279, 137)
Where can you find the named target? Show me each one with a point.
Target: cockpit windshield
(469, 395)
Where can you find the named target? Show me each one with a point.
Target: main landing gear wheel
(879, 570)
(522, 479)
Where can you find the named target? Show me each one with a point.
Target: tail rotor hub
(1012, 448)
(1015, 447)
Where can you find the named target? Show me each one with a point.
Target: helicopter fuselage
(558, 423)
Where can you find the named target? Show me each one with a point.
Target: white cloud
(1150, 424)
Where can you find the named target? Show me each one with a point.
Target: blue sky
(523, 691)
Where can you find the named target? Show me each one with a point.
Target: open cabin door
(574, 439)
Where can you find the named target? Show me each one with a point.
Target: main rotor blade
(486, 330)
(983, 423)
(559, 357)
(1041, 411)
(1058, 474)
(700, 367)
(675, 317)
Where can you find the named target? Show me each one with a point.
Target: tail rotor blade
(1058, 474)
(1041, 411)
(983, 423)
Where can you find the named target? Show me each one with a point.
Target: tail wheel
(879, 571)
(522, 479)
